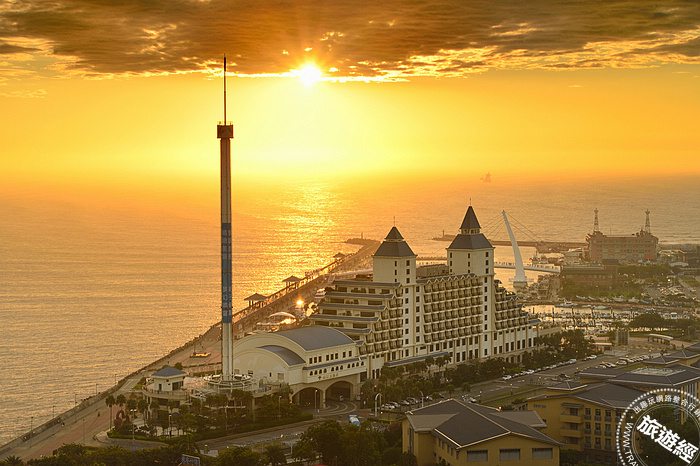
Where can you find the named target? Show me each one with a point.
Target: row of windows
(329, 357)
(335, 369)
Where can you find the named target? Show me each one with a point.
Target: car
(428, 398)
(507, 377)
(405, 403)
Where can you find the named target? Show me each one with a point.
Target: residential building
(468, 433)
(584, 416)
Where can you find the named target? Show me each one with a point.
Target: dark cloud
(9, 49)
(354, 37)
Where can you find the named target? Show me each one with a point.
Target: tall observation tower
(224, 131)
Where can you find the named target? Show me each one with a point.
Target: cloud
(26, 94)
(359, 39)
(6, 49)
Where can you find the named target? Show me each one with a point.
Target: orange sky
(520, 99)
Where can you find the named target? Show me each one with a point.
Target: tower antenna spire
(647, 224)
(225, 89)
(595, 221)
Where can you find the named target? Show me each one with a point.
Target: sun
(309, 75)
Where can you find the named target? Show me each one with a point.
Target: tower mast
(224, 132)
(595, 221)
(647, 224)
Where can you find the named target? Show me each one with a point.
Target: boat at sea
(565, 303)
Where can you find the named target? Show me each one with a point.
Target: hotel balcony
(571, 433)
(576, 419)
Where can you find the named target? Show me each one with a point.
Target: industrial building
(637, 247)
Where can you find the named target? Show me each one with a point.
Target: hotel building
(402, 313)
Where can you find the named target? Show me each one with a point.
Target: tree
(13, 461)
(325, 438)
(650, 320)
(110, 401)
(274, 455)
(239, 456)
(121, 400)
(304, 451)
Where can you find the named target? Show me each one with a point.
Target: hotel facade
(402, 312)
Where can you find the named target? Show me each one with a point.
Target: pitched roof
(470, 222)
(476, 241)
(313, 337)
(168, 371)
(394, 246)
(463, 425)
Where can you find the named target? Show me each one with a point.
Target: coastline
(67, 427)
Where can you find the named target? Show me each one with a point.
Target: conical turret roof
(470, 236)
(470, 222)
(394, 246)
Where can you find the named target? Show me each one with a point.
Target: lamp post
(170, 427)
(479, 396)
(31, 430)
(422, 403)
(53, 416)
(315, 406)
(75, 397)
(83, 431)
(375, 403)
(279, 406)
(133, 442)
(511, 389)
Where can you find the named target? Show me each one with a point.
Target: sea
(93, 288)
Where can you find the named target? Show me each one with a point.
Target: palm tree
(13, 461)
(274, 455)
(121, 400)
(110, 401)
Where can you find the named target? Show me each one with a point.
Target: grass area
(497, 401)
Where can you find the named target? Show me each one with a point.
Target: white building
(313, 361)
(403, 313)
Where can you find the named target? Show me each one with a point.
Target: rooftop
(463, 425)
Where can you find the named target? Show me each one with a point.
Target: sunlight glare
(309, 75)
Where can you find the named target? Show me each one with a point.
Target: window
(542, 453)
(486, 338)
(408, 262)
(477, 455)
(509, 454)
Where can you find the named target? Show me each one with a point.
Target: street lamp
(170, 427)
(133, 442)
(315, 406)
(75, 396)
(511, 389)
(279, 406)
(375, 403)
(31, 430)
(83, 431)
(422, 403)
(53, 415)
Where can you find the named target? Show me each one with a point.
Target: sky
(124, 95)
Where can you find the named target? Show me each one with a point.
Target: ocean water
(91, 291)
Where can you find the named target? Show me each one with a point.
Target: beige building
(402, 312)
(467, 433)
(315, 362)
(164, 386)
(584, 416)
